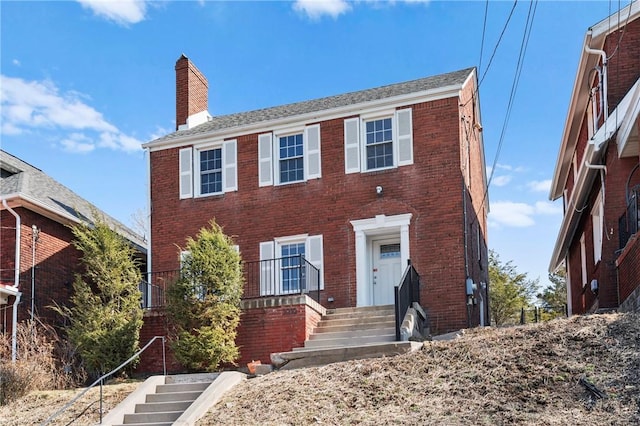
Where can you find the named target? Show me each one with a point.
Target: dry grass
(520, 375)
(37, 406)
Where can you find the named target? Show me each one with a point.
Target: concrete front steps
(172, 400)
(348, 333)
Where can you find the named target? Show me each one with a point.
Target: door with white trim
(386, 271)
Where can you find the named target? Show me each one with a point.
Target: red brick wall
(55, 263)
(155, 324)
(624, 66)
(191, 90)
(263, 331)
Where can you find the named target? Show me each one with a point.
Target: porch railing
(272, 277)
(407, 292)
(281, 276)
(629, 222)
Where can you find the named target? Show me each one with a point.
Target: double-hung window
(291, 265)
(208, 170)
(211, 171)
(380, 141)
(291, 158)
(597, 222)
(289, 155)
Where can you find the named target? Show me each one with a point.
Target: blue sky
(85, 83)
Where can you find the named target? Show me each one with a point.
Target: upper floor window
(291, 157)
(378, 142)
(211, 171)
(215, 167)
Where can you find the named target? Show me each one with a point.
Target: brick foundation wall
(276, 324)
(155, 324)
(629, 272)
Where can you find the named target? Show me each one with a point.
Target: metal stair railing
(101, 379)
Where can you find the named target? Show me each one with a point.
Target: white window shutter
(405, 137)
(315, 257)
(265, 159)
(230, 166)
(352, 145)
(312, 152)
(186, 173)
(267, 273)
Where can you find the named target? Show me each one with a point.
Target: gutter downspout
(14, 331)
(603, 78)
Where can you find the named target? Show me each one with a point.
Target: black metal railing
(407, 292)
(629, 222)
(282, 276)
(153, 287)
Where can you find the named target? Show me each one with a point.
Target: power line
(484, 27)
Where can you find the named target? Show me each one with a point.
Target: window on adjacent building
(289, 157)
(208, 170)
(597, 221)
(378, 142)
(583, 260)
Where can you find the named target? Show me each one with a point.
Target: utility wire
(484, 27)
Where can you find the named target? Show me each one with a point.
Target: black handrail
(101, 379)
(407, 292)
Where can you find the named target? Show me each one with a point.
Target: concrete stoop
(172, 400)
(348, 333)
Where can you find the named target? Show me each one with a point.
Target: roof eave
(322, 115)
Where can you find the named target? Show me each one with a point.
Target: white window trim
(597, 222)
(363, 141)
(197, 173)
(277, 159)
(583, 260)
(568, 281)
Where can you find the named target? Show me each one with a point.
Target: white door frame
(376, 226)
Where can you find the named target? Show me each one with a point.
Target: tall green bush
(204, 303)
(105, 316)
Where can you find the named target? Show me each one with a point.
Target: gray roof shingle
(315, 105)
(24, 179)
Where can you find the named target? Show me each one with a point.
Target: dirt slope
(522, 375)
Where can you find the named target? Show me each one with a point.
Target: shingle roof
(24, 179)
(316, 105)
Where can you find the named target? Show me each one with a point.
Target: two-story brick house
(358, 184)
(38, 261)
(597, 172)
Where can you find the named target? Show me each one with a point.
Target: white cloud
(548, 208)
(508, 213)
(123, 12)
(16, 62)
(501, 180)
(540, 185)
(315, 9)
(35, 105)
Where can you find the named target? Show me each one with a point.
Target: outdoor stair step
(355, 321)
(157, 407)
(349, 341)
(361, 309)
(137, 418)
(173, 396)
(352, 333)
(330, 328)
(182, 387)
(333, 317)
(148, 424)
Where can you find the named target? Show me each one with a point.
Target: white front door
(387, 270)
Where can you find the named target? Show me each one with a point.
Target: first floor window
(597, 221)
(291, 151)
(211, 171)
(291, 266)
(379, 143)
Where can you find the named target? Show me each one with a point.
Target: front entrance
(386, 271)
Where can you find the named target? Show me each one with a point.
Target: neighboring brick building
(47, 261)
(357, 183)
(597, 170)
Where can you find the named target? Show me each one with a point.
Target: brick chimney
(191, 95)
